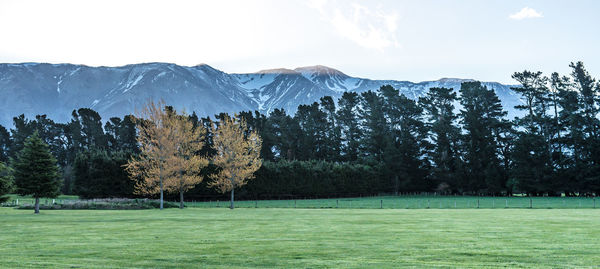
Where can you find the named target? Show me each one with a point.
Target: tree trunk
(161, 193)
(37, 206)
(397, 184)
(232, 188)
(181, 199)
(231, 206)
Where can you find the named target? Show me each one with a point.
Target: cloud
(371, 28)
(526, 13)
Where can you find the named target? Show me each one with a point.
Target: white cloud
(526, 13)
(367, 27)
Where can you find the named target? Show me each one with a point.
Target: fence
(416, 202)
(385, 202)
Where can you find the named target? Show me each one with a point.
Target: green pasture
(300, 238)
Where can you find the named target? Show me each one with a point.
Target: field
(314, 238)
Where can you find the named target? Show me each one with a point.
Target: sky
(401, 40)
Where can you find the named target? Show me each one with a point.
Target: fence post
(506, 206)
(256, 203)
(217, 203)
(454, 204)
(381, 205)
(294, 203)
(594, 202)
(427, 203)
(477, 202)
(530, 203)
(337, 203)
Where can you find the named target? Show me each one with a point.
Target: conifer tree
(440, 118)
(6, 182)
(481, 117)
(285, 133)
(404, 143)
(374, 124)
(532, 170)
(4, 144)
(348, 123)
(589, 138)
(35, 171)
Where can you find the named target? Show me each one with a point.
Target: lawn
(313, 238)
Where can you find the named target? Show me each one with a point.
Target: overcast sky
(402, 40)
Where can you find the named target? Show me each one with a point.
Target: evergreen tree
(404, 142)
(374, 126)
(285, 134)
(88, 124)
(313, 126)
(35, 171)
(258, 122)
(100, 174)
(21, 131)
(532, 170)
(6, 182)
(444, 135)
(589, 138)
(482, 117)
(332, 129)
(4, 144)
(349, 125)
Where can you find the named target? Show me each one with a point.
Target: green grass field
(306, 238)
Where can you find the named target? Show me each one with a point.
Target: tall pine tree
(36, 171)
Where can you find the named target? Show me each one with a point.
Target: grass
(306, 238)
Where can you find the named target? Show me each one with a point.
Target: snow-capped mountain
(57, 89)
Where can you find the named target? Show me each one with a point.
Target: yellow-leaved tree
(237, 155)
(186, 164)
(168, 146)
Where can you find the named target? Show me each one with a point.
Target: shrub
(105, 204)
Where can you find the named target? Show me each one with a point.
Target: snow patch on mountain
(57, 89)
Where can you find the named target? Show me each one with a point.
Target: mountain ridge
(57, 89)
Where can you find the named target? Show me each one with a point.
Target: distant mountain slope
(57, 89)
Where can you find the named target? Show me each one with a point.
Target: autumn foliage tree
(186, 163)
(169, 145)
(237, 155)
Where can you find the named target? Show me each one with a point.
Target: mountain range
(57, 89)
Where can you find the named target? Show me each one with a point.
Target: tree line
(379, 141)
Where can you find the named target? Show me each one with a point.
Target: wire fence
(385, 202)
(419, 202)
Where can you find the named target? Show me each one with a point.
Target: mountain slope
(57, 89)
